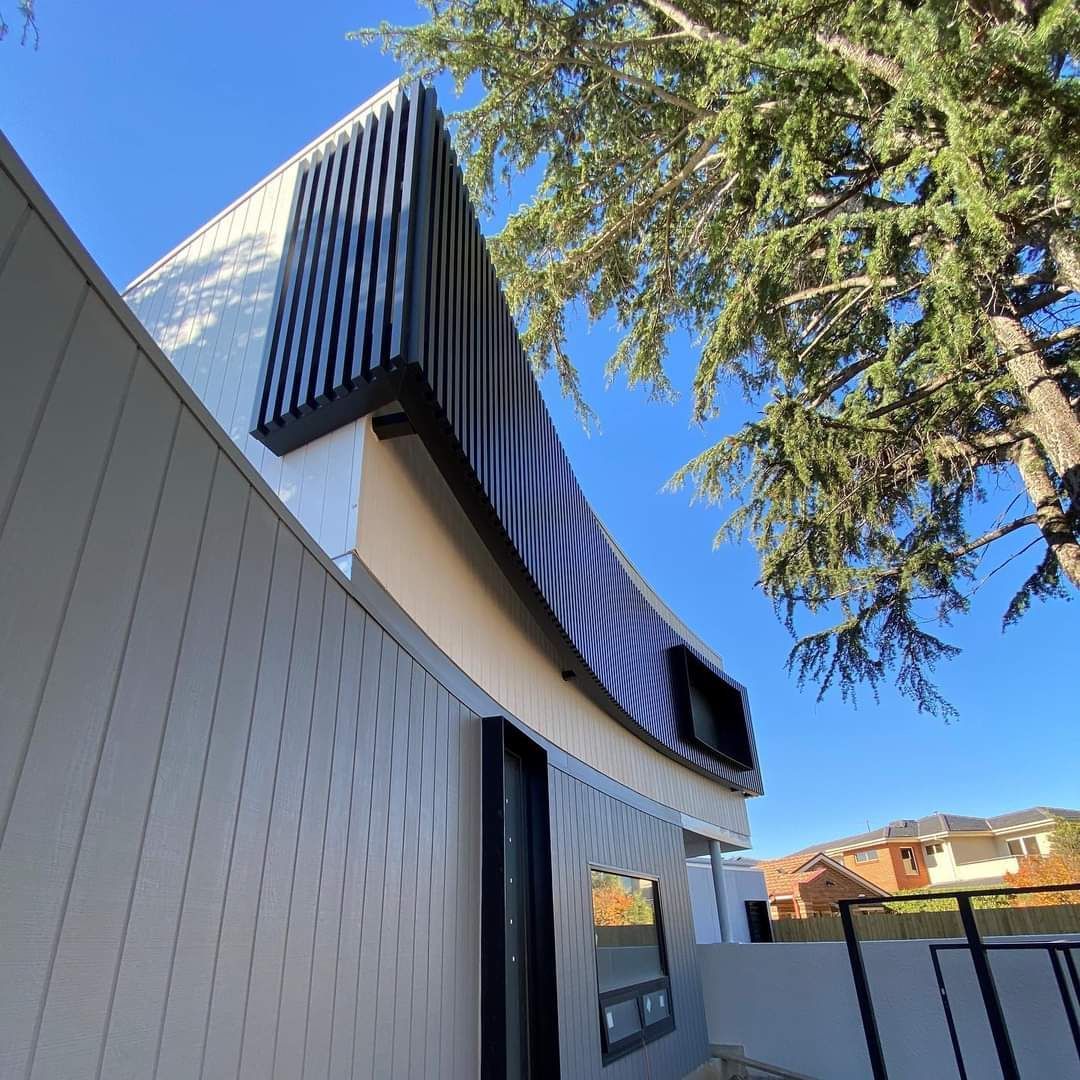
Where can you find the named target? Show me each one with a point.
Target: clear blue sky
(143, 120)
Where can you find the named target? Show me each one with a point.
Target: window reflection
(624, 929)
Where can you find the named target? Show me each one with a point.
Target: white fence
(794, 1005)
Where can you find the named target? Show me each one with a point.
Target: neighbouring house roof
(937, 823)
(786, 876)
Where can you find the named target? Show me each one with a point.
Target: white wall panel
(208, 305)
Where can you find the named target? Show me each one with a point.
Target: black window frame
(611, 1051)
(715, 710)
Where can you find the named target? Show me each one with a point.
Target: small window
(911, 864)
(631, 967)
(932, 851)
(866, 856)
(1024, 845)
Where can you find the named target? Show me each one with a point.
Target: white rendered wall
(794, 1005)
(739, 886)
(208, 305)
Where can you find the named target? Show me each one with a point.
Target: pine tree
(866, 212)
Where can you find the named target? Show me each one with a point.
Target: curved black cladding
(387, 292)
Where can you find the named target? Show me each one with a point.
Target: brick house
(805, 885)
(944, 849)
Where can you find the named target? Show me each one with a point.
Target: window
(1024, 845)
(631, 968)
(911, 864)
(932, 851)
(714, 710)
(866, 856)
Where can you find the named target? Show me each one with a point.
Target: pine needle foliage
(865, 211)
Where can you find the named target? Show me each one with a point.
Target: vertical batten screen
(388, 292)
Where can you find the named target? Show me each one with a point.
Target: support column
(720, 888)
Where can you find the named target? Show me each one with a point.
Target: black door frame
(497, 737)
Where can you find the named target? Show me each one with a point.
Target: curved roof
(387, 294)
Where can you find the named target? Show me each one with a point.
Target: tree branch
(992, 535)
(694, 28)
(858, 282)
(641, 84)
(882, 67)
(924, 391)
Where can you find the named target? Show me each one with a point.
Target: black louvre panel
(387, 293)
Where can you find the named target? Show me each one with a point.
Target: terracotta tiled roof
(785, 876)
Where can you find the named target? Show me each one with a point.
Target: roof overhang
(387, 294)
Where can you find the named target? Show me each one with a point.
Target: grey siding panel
(590, 827)
(228, 995)
(61, 764)
(150, 940)
(84, 976)
(291, 1019)
(344, 1001)
(319, 1007)
(50, 513)
(31, 351)
(184, 1032)
(13, 207)
(241, 831)
(272, 920)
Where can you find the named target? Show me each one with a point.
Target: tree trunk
(1052, 419)
(1056, 530)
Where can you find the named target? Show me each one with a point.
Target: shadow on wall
(208, 308)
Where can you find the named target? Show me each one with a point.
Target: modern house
(338, 738)
(944, 849)
(803, 886)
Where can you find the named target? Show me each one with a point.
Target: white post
(719, 887)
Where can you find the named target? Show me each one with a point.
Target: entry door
(519, 1022)
(516, 872)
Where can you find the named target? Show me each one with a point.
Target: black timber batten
(387, 293)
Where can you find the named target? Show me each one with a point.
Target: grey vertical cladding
(590, 827)
(417, 312)
(238, 821)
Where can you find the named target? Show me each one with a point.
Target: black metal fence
(1060, 953)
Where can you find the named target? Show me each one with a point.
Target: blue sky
(141, 121)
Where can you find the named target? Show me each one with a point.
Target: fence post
(991, 1002)
(862, 992)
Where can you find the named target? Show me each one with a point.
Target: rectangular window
(911, 865)
(1024, 845)
(866, 856)
(932, 851)
(631, 967)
